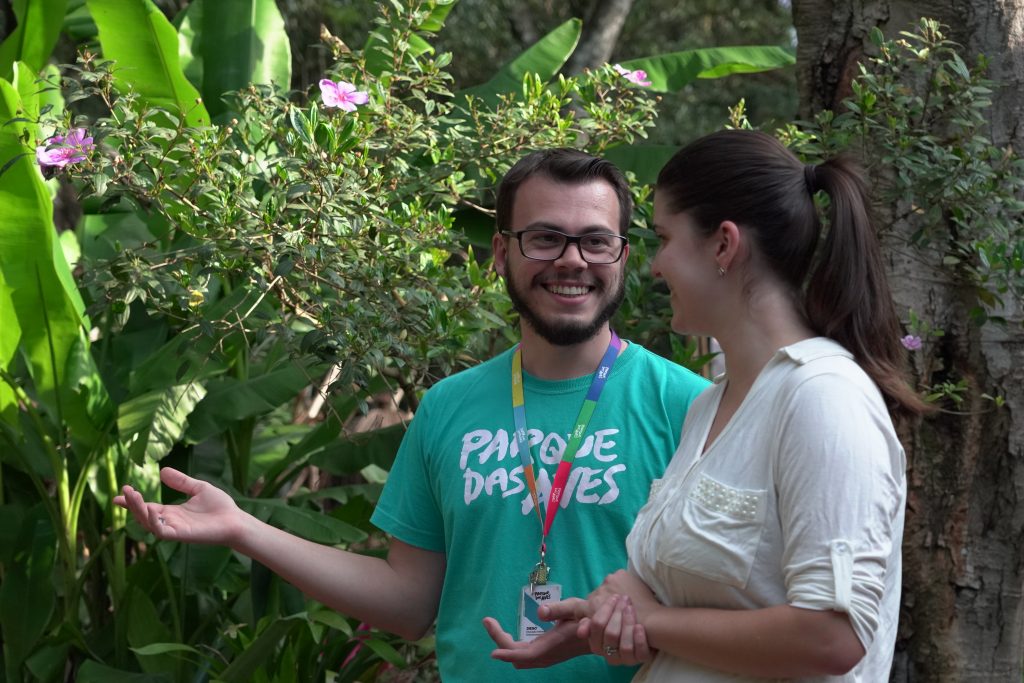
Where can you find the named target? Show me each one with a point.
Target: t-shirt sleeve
(841, 487)
(408, 508)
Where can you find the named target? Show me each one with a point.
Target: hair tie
(810, 179)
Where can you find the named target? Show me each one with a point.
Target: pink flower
(59, 151)
(361, 634)
(342, 94)
(639, 76)
(911, 342)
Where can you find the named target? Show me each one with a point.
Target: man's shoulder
(651, 363)
(480, 376)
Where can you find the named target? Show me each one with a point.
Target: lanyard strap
(576, 436)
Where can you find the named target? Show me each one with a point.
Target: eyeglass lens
(548, 245)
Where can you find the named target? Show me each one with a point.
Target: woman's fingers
(641, 647)
(598, 624)
(613, 631)
(626, 642)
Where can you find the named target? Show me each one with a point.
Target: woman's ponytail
(847, 296)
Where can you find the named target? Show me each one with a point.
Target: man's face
(566, 301)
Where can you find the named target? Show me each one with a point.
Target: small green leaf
(163, 648)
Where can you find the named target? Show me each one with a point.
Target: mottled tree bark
(963, 617)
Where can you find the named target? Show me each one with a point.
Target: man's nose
(572, 256)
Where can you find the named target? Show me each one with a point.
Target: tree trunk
(962, 617)
(601, 29)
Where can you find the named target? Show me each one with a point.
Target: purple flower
(342, 94)
(911, 342)
(639, 76)
(60, 150)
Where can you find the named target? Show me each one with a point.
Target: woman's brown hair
(751, 179)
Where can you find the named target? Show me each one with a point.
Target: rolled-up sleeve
(841, 490)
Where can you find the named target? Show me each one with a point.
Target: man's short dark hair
(564, 165)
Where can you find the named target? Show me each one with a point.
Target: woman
(771, 547)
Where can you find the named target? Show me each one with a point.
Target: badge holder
(532, 597)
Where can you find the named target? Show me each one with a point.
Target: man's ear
(498, 245)
(727, 247)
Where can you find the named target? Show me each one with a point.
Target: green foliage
(917, 116)
(224, 276)
(260, 55)
(673, 71)
(492, 31)
(32, 39)
(136, 35)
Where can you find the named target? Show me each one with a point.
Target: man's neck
(545, 360)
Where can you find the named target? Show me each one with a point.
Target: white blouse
(799, 500)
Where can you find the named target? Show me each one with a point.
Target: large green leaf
(103, 236)
(229, 399)
(544, 59)
(674, 71)
(145, 627)
(152, 423)
(312, 525)
(245, 665)
(47, 303)
(27, 598)
(94, 672)
(203, 565)
(78, 23)
(39, 91)
(10, 335)
(643, 160)
(228, 45)
(136, 35)
(33, 38)
(350, 454)
(10, 525)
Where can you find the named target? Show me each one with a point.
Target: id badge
(531, 598)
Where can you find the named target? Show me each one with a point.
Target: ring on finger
(610, 651)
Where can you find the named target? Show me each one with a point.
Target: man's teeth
(566, 290)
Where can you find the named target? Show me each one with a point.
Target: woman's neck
(749, 341)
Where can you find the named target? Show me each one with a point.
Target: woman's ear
(727, 247)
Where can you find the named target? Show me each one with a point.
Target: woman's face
(686, 262)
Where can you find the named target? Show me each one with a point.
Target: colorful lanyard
(582, 420)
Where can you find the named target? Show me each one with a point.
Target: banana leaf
(27, 598)
(37, 26)
(228, 399)
(152, 423)
(544, 58)
(226, 46)
(140, 39)
(47, 304)
(675, 70)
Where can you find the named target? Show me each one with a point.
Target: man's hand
(554, 646)
(208, 516)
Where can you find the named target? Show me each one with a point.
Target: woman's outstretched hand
(208, 516)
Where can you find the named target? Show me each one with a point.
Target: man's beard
(565, 333)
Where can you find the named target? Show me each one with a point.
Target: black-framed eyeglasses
(540, 244)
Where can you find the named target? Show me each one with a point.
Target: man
(459, 502)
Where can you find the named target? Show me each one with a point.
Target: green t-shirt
(457, 487)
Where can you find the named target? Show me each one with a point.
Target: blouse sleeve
(841, 489)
